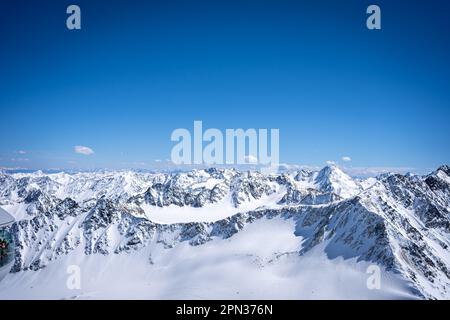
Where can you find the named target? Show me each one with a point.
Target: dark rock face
(66, 207)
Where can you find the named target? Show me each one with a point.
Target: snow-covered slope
(285, 230)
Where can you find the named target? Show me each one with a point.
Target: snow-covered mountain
(221, 233)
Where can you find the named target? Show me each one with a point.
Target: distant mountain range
(246, 231)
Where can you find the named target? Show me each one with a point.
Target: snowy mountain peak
(445, 168)
(334, 180)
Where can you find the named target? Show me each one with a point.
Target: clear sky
(137, 70)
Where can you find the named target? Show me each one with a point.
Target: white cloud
(83, 150)
(13, 168)
(20, 159)
(331, 163)
(374, 171)
(287, 166)
(21, 152)
(251, 159)
(346, 159)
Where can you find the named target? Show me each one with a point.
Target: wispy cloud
(13, 168)
(289, 167)
(373, 171)
(20, 159)
(83, 150)
(346, 159)
(251, 159)
(358, 171)
(21, 152)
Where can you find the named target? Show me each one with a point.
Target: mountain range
(225, 233)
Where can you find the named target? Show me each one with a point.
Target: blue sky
(137, 70)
